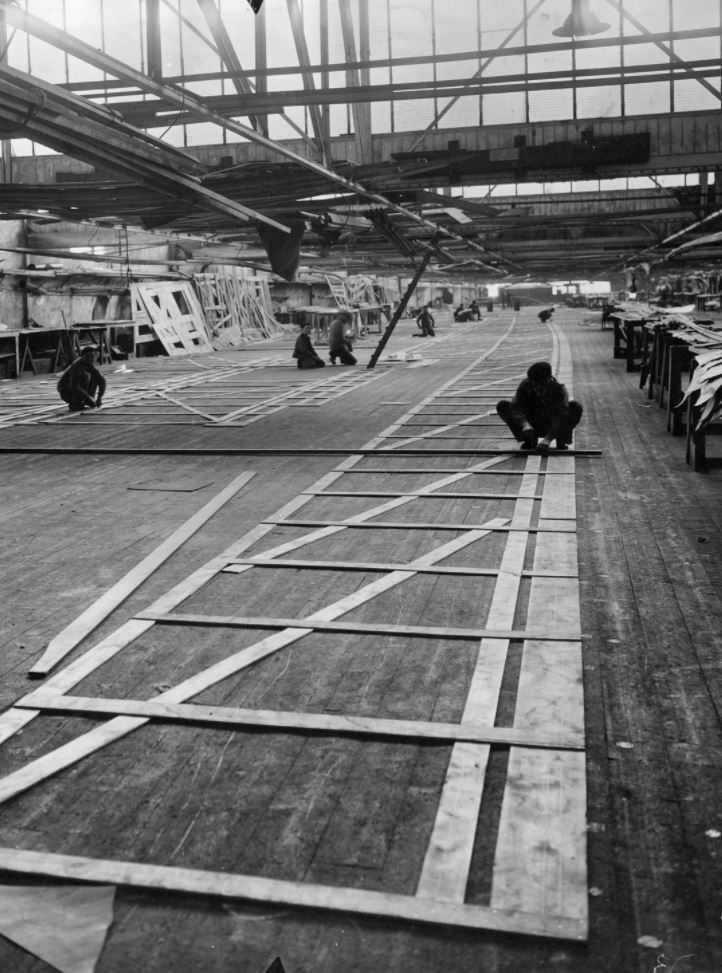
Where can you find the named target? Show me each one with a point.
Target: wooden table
(27, 344)
(91, 332)
(628, 335)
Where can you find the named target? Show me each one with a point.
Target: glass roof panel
(410, 42)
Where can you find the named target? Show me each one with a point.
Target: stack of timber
(238, 310)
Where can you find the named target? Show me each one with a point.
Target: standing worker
(81, 385)
(339, 344)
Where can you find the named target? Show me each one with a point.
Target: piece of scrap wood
(172, 486)
(64, 925)
(74, 633)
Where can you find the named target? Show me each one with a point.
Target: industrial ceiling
(524, 140)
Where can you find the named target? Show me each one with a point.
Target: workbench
(319, 318)
(24, 345)
(628, 337)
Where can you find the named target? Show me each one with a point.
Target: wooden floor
(411, 778)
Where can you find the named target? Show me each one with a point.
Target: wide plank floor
(445, 853)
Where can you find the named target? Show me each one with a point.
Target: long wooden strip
(432, 471)
(417, 493)
(400, 525)
(303, 722)
(445, 870)
(261, 562)
(541, 851)
(261, 451)
(316, 623)
(280, 893)
(84, 624)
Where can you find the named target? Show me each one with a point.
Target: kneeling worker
(339, 345)
(541, 411)
(81, 385)
(304, 352)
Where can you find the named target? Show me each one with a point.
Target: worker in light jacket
(540, 412)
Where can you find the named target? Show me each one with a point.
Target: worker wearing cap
(81, 385)
(540, 412)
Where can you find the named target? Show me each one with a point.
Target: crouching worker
(540, 412)
(304, 352)
(81, 385)
(339, 344)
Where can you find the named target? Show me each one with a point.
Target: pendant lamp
(581, 22)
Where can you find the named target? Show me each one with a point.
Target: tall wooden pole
(399, 310)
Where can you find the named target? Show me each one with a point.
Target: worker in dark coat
(545, 314)
(304, 352)
(425, 321)
(541, 411)
(339, 345)
(81, 385)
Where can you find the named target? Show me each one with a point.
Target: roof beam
(143, 113)
(184, 100)
(51, 117)
(154, 51)
(229, 57)
(361, 111)
(667, 50)
(299, 38)
(477, 74)
(326, 67)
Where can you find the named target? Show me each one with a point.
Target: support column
(399, 310)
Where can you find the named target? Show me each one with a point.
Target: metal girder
(51, 120)
(153, 41)
(143, 113)
(421, 59)
(299, 39)
(507, 40)
(667, 50)
(184, 100)
(227, 74)
(229, 56)
(361, 111)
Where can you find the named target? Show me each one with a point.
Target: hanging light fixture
(581, 22)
